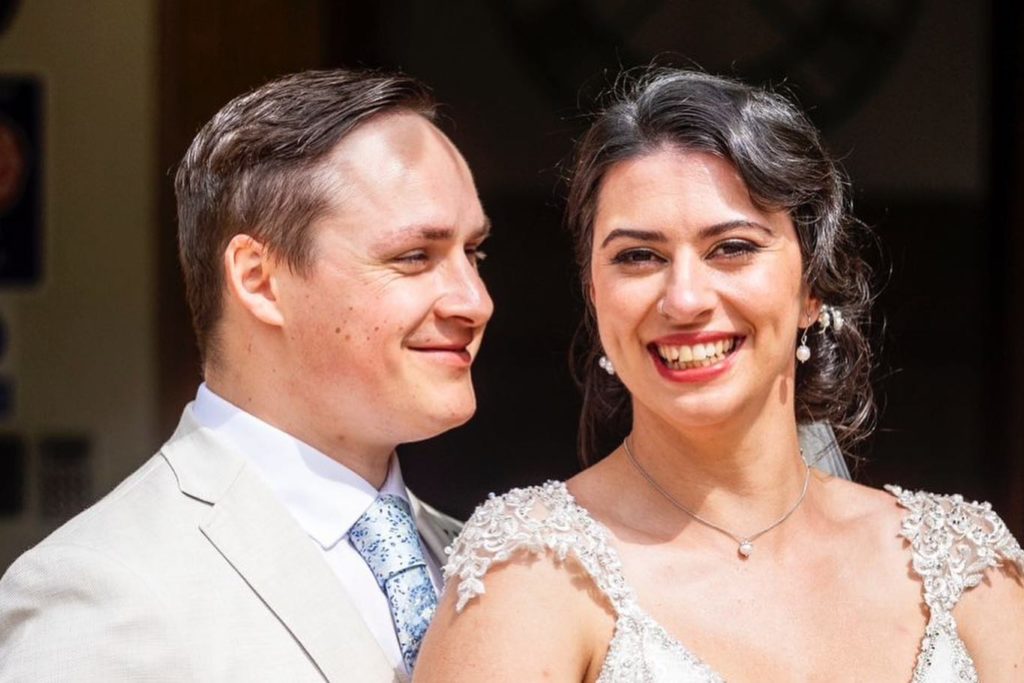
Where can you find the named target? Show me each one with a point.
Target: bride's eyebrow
(633, 234)
(719, 228)
(705, 233)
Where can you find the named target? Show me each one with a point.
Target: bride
(728, 299)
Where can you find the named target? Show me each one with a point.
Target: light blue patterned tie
(387, 539)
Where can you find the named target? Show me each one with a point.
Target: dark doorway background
(516, 76)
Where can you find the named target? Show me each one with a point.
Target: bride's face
(698, 292)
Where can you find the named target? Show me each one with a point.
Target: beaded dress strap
(537, 520)
(953, 542)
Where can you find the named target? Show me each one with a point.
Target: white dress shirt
(325, 498)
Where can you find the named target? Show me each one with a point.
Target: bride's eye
(734, 249)
(630, 257)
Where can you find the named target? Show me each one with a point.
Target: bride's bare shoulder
(515, 586)
(864, 513)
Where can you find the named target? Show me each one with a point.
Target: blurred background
(99, 99)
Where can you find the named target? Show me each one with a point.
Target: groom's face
(383, 330)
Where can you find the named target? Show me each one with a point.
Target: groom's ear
(249, 273)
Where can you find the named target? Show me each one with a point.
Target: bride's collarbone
(789, 614)
(746, 632)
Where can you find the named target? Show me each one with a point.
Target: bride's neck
(743, 473)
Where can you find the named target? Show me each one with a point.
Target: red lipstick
(700, 373)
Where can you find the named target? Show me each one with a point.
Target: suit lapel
(268, 549)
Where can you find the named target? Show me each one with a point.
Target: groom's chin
(446, 416)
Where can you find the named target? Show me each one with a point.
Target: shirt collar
(324, 496)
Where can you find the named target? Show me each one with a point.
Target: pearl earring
(803, 352)
(828, 317)
(606, 365)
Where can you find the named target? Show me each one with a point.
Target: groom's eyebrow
(433, 233)
(633, 234)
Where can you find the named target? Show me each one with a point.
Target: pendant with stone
(746, 547)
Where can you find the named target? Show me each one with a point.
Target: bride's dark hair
(780, 157)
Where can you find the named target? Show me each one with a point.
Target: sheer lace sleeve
(953, 543)
(537, 520)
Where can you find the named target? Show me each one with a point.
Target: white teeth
(698, 355)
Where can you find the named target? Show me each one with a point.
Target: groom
(329, 234)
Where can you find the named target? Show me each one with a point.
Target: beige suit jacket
(190, 570)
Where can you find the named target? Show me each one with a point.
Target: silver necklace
(746, 543)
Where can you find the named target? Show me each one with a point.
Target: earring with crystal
(830, 316)
(606, 365)
(803, 352)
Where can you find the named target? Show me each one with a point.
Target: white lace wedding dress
(952, 541)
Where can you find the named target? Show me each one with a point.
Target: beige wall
(83, 342)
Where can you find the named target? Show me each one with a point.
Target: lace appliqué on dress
(536, 520)
(546, 519)
(953, 542)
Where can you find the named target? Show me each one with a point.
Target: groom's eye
(476, 255)
(413, 257)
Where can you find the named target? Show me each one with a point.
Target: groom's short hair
(254, 169)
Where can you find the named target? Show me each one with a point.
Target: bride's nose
(689, 295)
